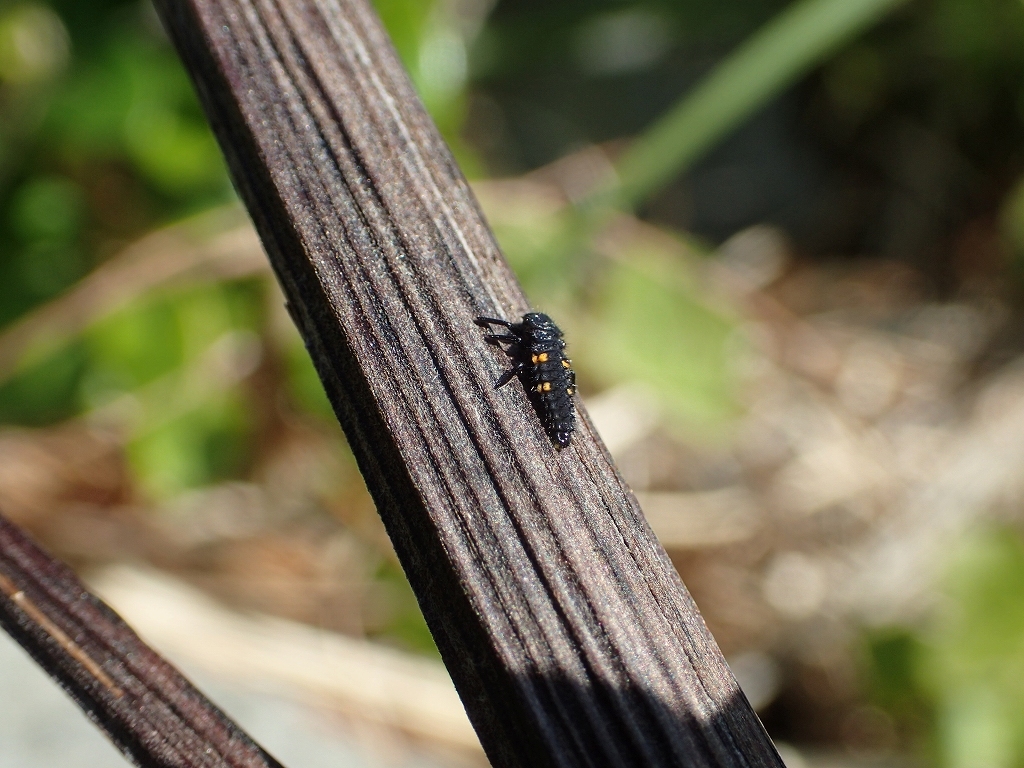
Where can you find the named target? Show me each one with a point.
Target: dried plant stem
(565, 627)
(152, 713)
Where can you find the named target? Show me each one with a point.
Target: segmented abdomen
(551, 385)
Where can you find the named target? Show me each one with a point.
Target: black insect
(540, 362)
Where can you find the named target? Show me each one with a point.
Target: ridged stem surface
(563, 623)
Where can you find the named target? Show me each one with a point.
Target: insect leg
(485, 321)
(510, 374)
(496, 337)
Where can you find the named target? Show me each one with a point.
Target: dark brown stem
(152, 713)
(562, 621)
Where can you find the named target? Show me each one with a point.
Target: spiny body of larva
(539, 354)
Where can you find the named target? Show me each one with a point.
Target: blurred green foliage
(794, 41)
(101, 138)
(974, 660)
(636, 331)
(957, 684)
(47, 392)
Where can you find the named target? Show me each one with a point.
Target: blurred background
(786, 243)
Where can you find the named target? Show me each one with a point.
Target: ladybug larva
(539, 354)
